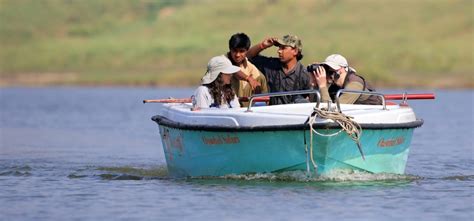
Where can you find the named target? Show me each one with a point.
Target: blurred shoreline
(71, 79)
(149, 43)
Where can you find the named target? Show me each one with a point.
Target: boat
(290, 137)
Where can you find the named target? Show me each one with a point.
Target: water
(94, 154)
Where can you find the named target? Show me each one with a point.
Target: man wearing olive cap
(284, 73)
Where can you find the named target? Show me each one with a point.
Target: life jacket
(363, 99)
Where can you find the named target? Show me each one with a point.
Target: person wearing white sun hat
(334, 74)
(215, 90)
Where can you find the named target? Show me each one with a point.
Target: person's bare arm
(243, 77)
(256, 49)
(319, 78)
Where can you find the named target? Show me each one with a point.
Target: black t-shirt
(278, 81)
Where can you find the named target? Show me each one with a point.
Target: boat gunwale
(163, 121)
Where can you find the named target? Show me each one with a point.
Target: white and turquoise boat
(271, 139)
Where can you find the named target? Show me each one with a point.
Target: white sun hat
(217, 65)
(336, 61)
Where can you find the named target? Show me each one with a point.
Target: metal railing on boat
(285, 93)
(318, 96)
(339, 92)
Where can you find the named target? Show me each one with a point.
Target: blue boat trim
(173, 124)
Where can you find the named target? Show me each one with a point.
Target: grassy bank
(393, 43)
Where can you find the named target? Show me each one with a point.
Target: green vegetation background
(401, 43)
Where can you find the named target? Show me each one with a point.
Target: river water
(71, 153)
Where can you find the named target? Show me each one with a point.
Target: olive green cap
(290, 40)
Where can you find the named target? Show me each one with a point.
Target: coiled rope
(352, 128)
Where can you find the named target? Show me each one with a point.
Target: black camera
(329, 71)
(314, 67)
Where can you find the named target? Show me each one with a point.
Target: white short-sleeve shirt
(203, 99)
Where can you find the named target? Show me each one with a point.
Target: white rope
(352, 128)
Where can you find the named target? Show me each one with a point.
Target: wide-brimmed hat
(217, 65)
(336, 61)
(290, 40)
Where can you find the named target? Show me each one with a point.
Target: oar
(266, 99)
(188, 100)
(169, 100)
(387, 97)
(409, 96)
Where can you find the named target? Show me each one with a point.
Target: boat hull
(195, 152)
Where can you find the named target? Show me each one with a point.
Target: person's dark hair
(217, 89)
(229, 93)
(239, 40)
(299, 56)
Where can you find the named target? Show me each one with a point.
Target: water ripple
(15, 171)
(121, 173)
(460, 178)
(334, 176)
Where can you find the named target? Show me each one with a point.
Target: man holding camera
(334, 74)
(284, 73)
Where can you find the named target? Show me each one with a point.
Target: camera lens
(312, 67)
